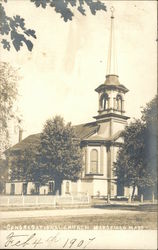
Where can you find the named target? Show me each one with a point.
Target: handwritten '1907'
(33, 240)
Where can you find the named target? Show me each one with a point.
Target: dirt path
(61, 212)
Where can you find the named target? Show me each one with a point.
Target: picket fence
(35, 200)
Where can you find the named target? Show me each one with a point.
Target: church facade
(99, 140)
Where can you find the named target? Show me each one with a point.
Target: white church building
(99, 140)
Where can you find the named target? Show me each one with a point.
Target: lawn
(136, 220)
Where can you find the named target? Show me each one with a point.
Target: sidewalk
(60, 212)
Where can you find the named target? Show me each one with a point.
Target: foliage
(8, 95)
(3, 174)
(24, 165)
(58, 156)
(150, 112)
(14, 27)
(60, 153)
(129, 166)
(136, 163)
(150, 119)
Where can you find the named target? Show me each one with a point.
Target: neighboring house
(99, 140)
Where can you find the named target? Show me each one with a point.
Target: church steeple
(111, 72)
(112, 62)
(111, 92)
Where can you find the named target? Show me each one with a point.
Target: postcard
(78, 124)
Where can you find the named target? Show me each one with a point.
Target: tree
(14, 29)
(150, 113)
(129, 166)
(150, 119)
(136, 160)
(24, 165)
(3, 174)
(8, 95)
(60, 153)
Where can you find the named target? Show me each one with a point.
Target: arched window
(104, 101)
(94, 161)
(119, 102)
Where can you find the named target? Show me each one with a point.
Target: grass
(145, 220)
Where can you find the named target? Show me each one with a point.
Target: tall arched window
(119, 102)
(94, 161)
(104, 101)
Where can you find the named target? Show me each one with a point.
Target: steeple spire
(111, 93)
(111, 62)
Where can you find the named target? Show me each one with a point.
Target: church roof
(30, 141)
(82, 131)
(95, 138)
(111, 86)
(116, 135)
(85, 130)
(103, 138)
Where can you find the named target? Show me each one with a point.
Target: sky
(69, 59)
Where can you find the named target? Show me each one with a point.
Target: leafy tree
(24, 165)
(150, 119)
(60, 153)
(129, 166)
(137, 158)
(57, 156)
(14, 28)
(8, 95)
(3, 174)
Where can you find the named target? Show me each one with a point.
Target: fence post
(23, 200)
(72, 199)
(54, 201)
(153, 197)
(108, 198)
(141, 198)
(88, 198)
(129, 199)
(37, 200)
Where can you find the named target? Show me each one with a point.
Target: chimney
(20, 134)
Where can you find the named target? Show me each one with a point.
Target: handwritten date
(34, 240)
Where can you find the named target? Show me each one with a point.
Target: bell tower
(111, 94)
